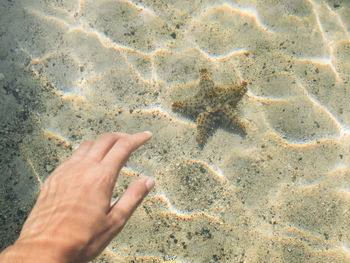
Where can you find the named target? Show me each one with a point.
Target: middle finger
(103, 145)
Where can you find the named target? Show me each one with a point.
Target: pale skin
(73, 219)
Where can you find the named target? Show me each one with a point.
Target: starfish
(213, 106)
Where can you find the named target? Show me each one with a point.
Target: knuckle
(99, 172)
(126, 144)
(120, 216)
(116, 224)
(105, 170)
(123, 212)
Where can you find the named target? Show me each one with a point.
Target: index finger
(122, 149)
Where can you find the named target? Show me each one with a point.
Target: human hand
(73, 220)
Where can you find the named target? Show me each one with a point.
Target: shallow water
(71, 70)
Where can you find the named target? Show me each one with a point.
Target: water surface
(71, 70)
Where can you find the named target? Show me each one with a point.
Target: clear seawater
(71, 70)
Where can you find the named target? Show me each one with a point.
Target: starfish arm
(213, 106)
(206, 83)
(230, 118)
(240, 90)
(233, 94)
(205, 125)
(191, 107)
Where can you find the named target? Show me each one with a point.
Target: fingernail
(149, 183)
(148, 132)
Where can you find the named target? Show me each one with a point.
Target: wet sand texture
(71, 70)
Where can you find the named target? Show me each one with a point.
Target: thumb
(129, 201)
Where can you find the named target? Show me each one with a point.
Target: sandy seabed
(71, 70)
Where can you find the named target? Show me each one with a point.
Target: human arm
(72, 220)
